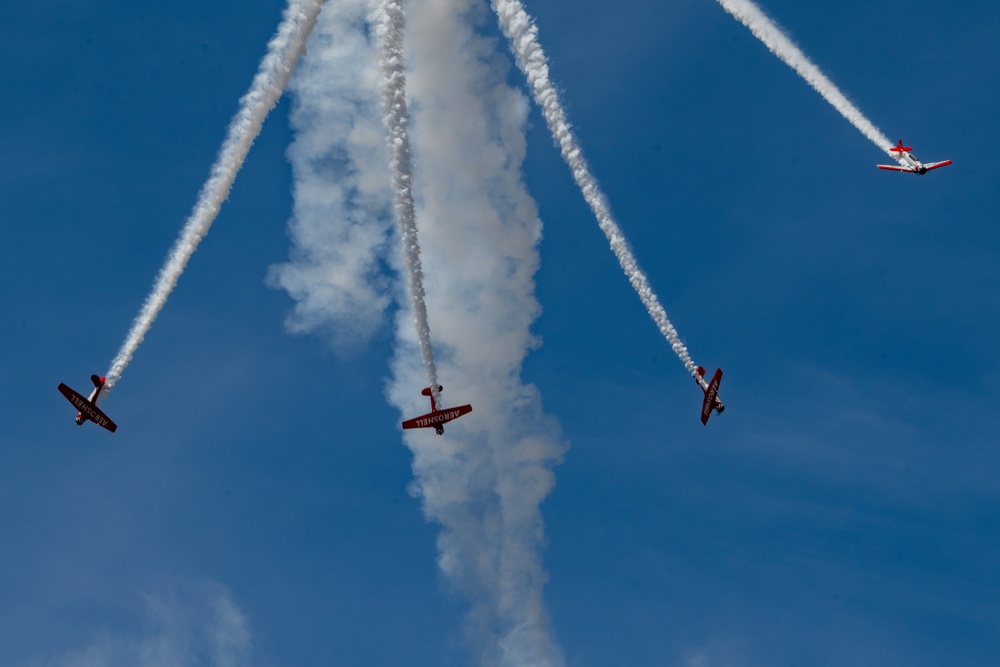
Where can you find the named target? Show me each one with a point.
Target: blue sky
(844, 510)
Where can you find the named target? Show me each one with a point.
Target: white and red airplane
(909, 162)
(711, 390)
(436, 418)
(87, 407)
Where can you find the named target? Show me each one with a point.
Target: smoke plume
(483, 481)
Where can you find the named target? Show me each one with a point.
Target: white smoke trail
(275, 69)
(484, 481)
(389, 24)
(522, 33)
(780, 45)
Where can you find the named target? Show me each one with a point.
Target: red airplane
(436, 418)
(88, 406)
(711, 390)
(909, 162)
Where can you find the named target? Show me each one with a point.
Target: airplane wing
(423, 421)
(437, 417)
(711, 394)
(888, 167)
(72, 396)
(461, 410)
(87, 409)
(937, 165)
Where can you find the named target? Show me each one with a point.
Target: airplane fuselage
(913, 163)
(91, 415)
(711, 390)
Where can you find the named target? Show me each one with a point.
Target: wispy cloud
(191, 626)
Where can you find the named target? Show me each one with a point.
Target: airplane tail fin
(97, 380)
(426, 391)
